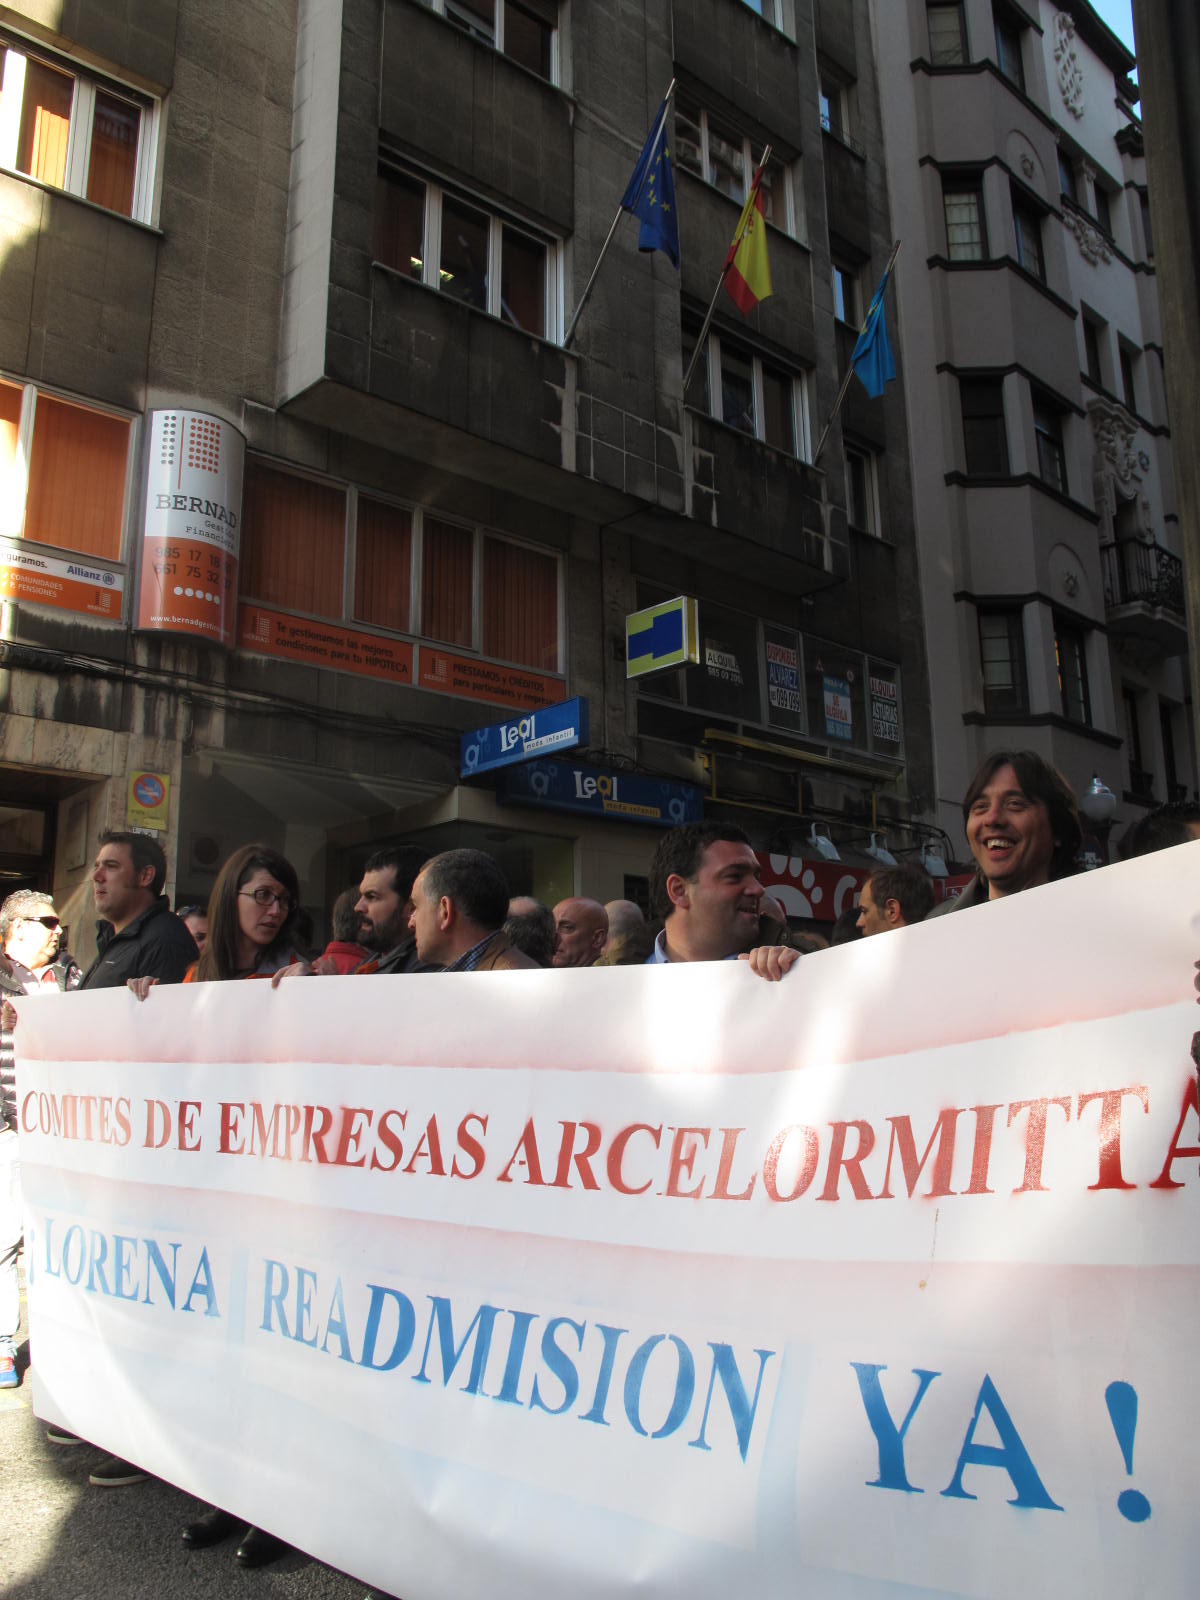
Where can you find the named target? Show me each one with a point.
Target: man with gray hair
(459, 904)
(30, 939)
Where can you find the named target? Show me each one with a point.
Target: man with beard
(384, 907)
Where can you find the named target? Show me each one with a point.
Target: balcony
(1143, 595)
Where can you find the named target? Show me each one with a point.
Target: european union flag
(650, 195)
(872, 359)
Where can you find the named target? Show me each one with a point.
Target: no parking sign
(148, 794)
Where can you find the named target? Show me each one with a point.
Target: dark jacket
(154, 945)
(975, 894)
(402, 959)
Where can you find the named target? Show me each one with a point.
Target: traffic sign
(666, 635)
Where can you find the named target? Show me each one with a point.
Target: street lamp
(1096, 805)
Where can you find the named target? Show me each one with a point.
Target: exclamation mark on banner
(1122, 1402)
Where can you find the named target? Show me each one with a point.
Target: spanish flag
(747, 273)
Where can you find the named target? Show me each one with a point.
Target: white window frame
(870, 461)
(431, 255)
(852, 280)
(83, 106)
(443, 8)
(801, 424)
(793, 218)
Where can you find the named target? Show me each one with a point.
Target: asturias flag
(747, 273)
(650, 195)
(872, 358)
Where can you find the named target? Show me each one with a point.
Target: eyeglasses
(46, 922)
(263, 896)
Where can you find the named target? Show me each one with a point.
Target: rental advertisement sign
(880, 1280)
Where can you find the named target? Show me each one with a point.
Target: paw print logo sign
(816, 890)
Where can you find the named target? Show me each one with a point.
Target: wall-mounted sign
(785, 693)
(192, 526)
(43, 580)
(324, 644)
(665, 635)
(147, 802)
(446, 673)
(572, 786)
(503, 744)
(885, 711)
(819, 891)
(839, 714)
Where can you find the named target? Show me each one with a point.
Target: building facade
(301, 483)
(1043, 486)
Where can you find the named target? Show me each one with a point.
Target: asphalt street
(63, 1539)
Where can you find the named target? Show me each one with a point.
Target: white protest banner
(880, 1280)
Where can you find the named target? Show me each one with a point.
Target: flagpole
(587, 289)
(712, 305)
(841, 394)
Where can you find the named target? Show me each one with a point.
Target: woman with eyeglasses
(252, 916)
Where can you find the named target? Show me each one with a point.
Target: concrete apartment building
(1043, 486)
(301, 484)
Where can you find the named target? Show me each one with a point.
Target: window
(832, 101)
(847, 301)
(768, 10)
(1070, 649)
(1008, 47)
(85, 135)
(1147, 233)
(1103, 209)
(1027, 226)
(1002, 655)
(63, 472)
(1047, 426)
(1066, 175)
(947, 36)
(985, 442)
(412, 571)
(1091, 350)
(966, 237)
(1128, 393)
(715, 152)
(754, 394)
(862, 490)
(524, 30)
(1166, 724)
(454, 245)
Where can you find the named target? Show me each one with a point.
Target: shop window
(383, 565)
(985, 442)
(63, 472)
(966, 238)
(947, 35)
(1070, 649)
(520, 605)
(1048, 428)
(447, 582)
(64, 127)
(1002, 655)
(456, 245)
(293, 541)
(1027, 228)
(524, 30)
(718, 154)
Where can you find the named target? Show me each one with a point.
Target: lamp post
(1096, 805)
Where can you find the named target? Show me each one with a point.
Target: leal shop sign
(192, 526)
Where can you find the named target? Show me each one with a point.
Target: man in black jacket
(139, 936)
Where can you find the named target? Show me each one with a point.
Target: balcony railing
(1142, 574)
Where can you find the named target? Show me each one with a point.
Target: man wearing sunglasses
(31, 961)
(138, 935)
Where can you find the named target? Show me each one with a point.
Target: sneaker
(113, 1473)
(57, 1435)
(9, 1377)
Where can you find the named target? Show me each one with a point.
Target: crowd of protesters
(412, 913)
